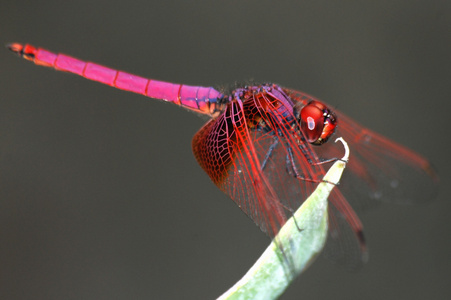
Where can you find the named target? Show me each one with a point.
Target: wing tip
(363, 247)
(431, 172)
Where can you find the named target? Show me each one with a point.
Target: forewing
(379, 168)
(225, 150)
(269, 171)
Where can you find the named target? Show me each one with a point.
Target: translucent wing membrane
(257, 154)
(269, 169)
(391, 172)
(380, 169)
(225, 150)
(342, 245)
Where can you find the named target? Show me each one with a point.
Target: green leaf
(301, 240)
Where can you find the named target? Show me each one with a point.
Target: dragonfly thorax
(268, 108)
(265, 107)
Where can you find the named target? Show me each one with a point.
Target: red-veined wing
(256, 153)
(226, 149)
(379, 168)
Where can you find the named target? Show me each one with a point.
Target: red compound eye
(317, 122)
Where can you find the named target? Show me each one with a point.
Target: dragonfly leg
(293, 171)
(307, 155)
(269, 153)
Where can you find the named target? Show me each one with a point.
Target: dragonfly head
(317, 122)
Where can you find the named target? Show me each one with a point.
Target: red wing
(270, 170)
(225, 150)
(257, 168)
(378, 168)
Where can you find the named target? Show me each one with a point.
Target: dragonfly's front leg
(293, 170)
(270, 152)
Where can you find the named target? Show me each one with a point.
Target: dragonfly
(267, 148)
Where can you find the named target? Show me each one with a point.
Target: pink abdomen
(196, 98)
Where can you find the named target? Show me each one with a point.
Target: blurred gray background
(100, 195)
